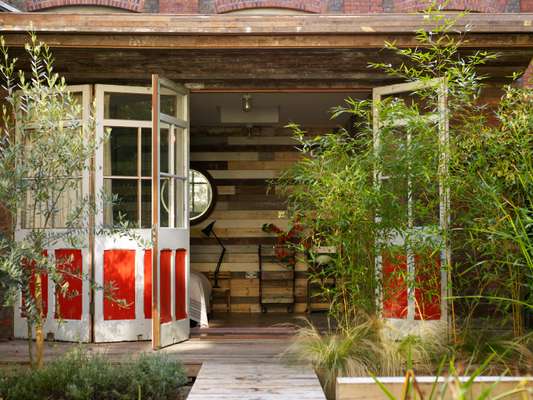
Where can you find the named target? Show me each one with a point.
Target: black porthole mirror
(202, 195)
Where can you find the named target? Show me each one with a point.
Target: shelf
(270, 281)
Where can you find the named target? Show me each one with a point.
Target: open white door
(406, 303)
(170, 217)
(67, 315)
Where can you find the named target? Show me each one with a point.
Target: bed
(199, 296)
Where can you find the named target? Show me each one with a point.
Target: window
(202, 194)
(59, 204)
(127, 158)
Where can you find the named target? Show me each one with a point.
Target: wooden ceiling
(275, 69)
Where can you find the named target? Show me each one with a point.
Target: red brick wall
(526, 6)
(130, 5)
(362, 6)
(313, 6)
(178, 7)
(490, 6)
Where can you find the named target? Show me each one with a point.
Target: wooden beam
(248, 32)
(255, 25)
(330, 41)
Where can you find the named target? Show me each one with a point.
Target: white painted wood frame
(63, 329)
(138, 328)
(175, 236)
(409, 324)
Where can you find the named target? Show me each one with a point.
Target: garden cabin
(196, 95)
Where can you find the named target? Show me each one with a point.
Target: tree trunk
(30, 338)
(39, 334)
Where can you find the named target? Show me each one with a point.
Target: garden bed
(358, 388)
(79, 375)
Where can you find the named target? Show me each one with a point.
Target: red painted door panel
(119, 270)
(69, 305)
(394, 286)
(147, 288)
(44, 288)
(165, 282)
(181, 285)
(428, 287)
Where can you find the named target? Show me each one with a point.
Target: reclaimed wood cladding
(242, 164)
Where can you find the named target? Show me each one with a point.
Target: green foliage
(367, 348)
(334, 193)
(455, 386)
(45, 149)
(80, 376)
(493, 180)
(508, 353)
(46, 146)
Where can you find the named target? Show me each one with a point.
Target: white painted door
(402, 297)
(170, 217)
(123, 182)
(68, 314)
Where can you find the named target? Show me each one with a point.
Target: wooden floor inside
(257, 326)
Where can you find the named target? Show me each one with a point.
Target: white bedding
(199, 295)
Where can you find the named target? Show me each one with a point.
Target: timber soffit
(223, 31)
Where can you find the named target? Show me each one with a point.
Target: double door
(135, 259)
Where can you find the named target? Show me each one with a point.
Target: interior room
(239, 143)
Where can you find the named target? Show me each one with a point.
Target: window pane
(69, 201)
(200, 194)
(164, 150)
(181, 152)
(180, 204)
(146, 152)
(169, 105)
(132, 106)
(165, 204)
(59, 205)
(135, 106)
(146, 203)
(125, 206)
(120, 152)
(78, 100)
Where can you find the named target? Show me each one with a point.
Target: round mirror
(202, 194)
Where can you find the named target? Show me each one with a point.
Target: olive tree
(45, 147)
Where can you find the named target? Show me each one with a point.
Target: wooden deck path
(264, 380)
(247, 369)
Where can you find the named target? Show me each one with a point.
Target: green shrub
(80, 376)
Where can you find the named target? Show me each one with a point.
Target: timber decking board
(193, 351)
(256, 381)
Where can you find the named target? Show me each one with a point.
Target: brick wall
(362, 6)
(526, 6)
(129, 5)
(178, 7)
(310, 6)
(490, 6)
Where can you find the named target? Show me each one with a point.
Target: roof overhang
(156, 31)
(247, 52)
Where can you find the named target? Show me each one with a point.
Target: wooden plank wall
(242, 163)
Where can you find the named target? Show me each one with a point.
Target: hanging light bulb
(247, 102)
